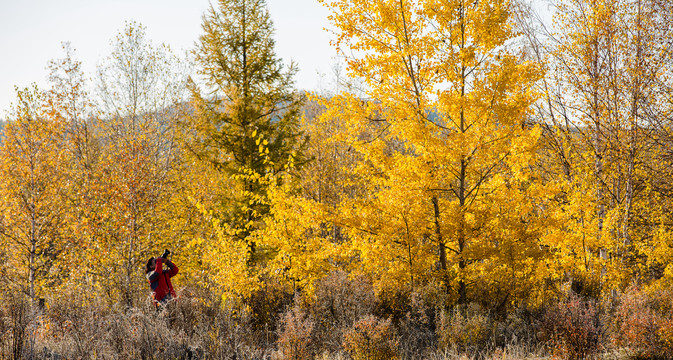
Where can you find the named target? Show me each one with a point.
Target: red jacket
(160, 280)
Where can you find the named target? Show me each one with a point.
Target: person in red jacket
(160, 278)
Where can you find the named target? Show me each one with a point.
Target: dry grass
(345, 321)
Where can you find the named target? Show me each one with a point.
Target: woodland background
(478, 182)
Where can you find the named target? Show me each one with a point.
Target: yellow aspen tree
(220, 261)
(589, 43)
(449, 108)
(644, 226)
(306, 241)
(70, 103)
(297, 231)
(608, 58)
(139, 89)
(33, 206)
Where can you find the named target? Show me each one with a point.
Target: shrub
(294, 341)
(188, 328)
(392, 303)
(266, 306)
(15, 323)
(417, 329)
(571, 328)
(664, 350)
(338, 302)
(372, 339)
(465, 329)
(518, 328)
(643, 323)
(225, 331)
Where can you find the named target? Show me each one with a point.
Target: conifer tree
(246, 116)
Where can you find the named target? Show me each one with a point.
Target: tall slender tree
(140, 90)
(32, 206)
(604, 122)
(70, 103)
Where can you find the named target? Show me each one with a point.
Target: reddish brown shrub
(571, 328)
(643, 323)
(295, 341)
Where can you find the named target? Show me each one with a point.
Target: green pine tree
(246, 113)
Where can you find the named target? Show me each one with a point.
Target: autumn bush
(227, 333)
(519, 328)
(417, 329)
(643, 323)
(295, 341)
(465, 328)
(92, 332)
(266, 306)
(14, 323)
(372, 338)
(636, 324)
(572, 328)
(337, 303)
(84, 331)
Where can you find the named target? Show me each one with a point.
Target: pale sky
(31, 32)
